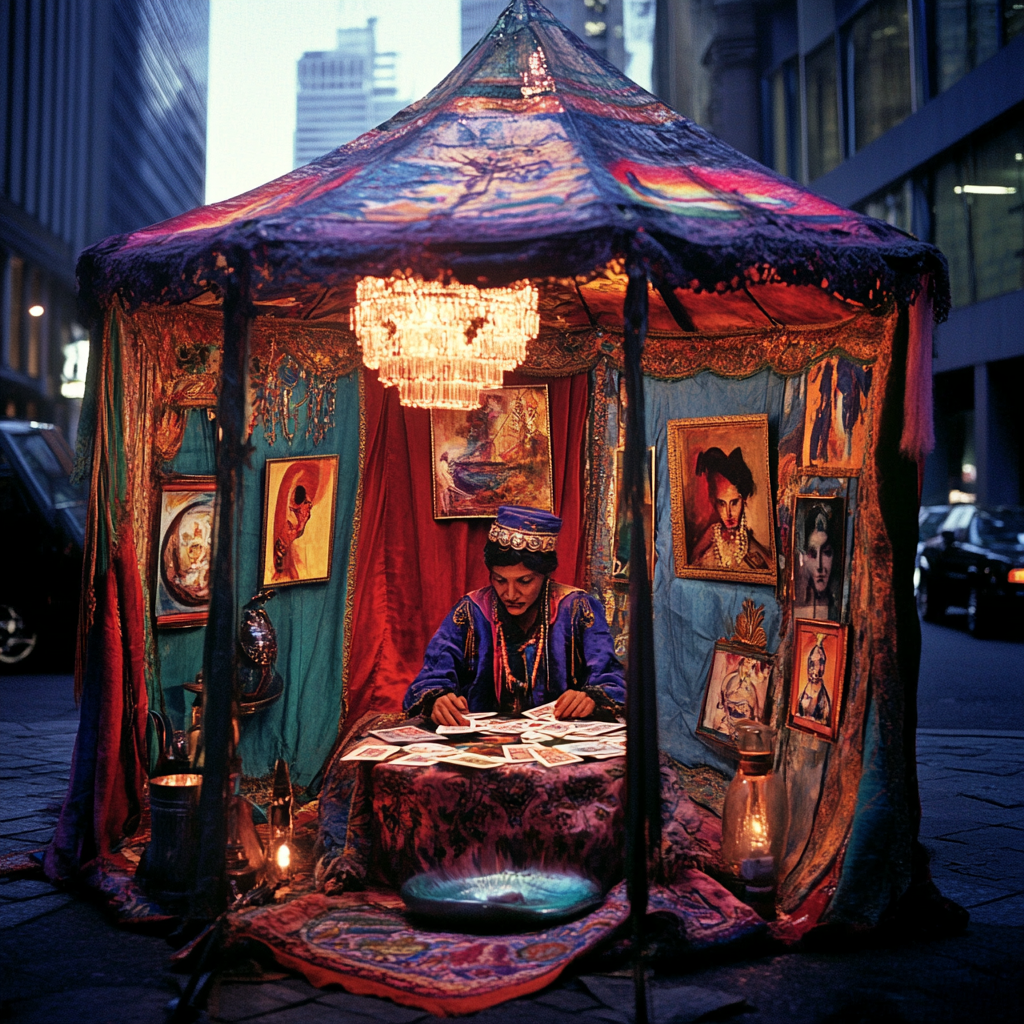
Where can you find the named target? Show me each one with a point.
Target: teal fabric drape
(300, 727)
(690, 615)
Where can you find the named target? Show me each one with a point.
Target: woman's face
(727, 500)
(817, 561)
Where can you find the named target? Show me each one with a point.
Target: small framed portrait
(722, 522)
(819, 668)
(183, 551)
(838, 405)
(736, 691)
(497, 454)
(818, 557)
(299, 497)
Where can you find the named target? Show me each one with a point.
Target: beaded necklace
(732, 554)
(521, 689)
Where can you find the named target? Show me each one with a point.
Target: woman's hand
(574, 704)
(447, 710)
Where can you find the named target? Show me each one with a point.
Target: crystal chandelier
(441, 344)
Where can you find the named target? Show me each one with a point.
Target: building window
(978, 206)
(787, 154)
(1013, 19)
(823, 152)
(15, 308)
(894, 206)
(966, 33)
(878, 70)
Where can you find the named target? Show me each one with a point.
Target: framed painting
(722, 521)
(497, 454)
(299, 497)
(836, 411)
(817, 561)
(819, 667)
(736, 691)
(183, 551)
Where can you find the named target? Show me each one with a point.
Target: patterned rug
(363, 942)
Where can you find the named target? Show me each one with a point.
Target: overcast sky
(254, 48)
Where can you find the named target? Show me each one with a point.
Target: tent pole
(219, 655)
(643, 791)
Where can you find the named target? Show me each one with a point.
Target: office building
(913, 112)
(344, 92)
(103, 104)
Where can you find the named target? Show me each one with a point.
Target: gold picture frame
(737, 689)
(717, 447)
(497, 454)
(184, 545)
(297, 539)
(815, 704)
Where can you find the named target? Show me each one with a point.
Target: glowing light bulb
(36, 310)
(284, 857)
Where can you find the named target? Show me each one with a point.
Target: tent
(226, 342)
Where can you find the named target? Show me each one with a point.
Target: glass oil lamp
(280, 816)
(756, 813)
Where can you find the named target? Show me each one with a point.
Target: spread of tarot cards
(536, 738)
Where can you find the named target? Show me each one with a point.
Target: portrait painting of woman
(722, 523)
(818, 555)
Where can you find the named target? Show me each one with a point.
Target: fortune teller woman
(523, 641)
(817, 585)
(728, 543)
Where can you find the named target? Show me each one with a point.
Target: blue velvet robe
(462, 657)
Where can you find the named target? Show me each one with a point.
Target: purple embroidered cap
(525, 529)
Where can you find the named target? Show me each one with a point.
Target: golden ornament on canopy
(441, 344)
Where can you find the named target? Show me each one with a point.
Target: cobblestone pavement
(60, 960)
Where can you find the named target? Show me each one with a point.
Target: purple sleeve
(444, 663)
(605, 673)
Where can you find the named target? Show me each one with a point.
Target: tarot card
(470, 760)
(591, 748)
(596, 728)
(511, 727)
(417, 760)
(457, 730)
(479, 714)
(555, 729)
(371, 752)
(428, 749)
(536, 736)
(403, 734)
(518, 753)
(544, 711)
(552, 757)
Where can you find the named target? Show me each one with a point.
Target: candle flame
(284, 857)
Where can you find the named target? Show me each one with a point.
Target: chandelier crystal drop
(442, 344)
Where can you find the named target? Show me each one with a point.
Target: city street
(62, 961)
(967, 683)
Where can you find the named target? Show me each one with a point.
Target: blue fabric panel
(300, 727)
(690, 615)
(876, 863)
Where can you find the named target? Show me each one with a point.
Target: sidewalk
(61, 961)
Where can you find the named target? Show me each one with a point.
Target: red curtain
(410, 568)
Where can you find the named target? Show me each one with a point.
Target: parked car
(975, 562)
(42, 519)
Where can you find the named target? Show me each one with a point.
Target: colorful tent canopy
(534, 157)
